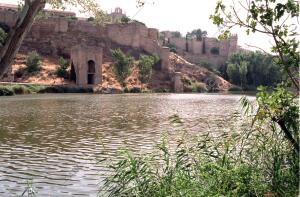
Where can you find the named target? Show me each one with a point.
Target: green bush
(146, 63)
(66, 89)
(121, 66)
(6, 91)
(33, 63)
(186, 80)
(210, 66)
(62, 68)
(172, 47)
(125, 19)
(199, 87)
(20, 89)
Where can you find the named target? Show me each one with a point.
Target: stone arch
(91, 72)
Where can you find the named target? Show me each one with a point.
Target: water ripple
(57, 140)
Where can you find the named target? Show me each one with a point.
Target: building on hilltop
(117, 15)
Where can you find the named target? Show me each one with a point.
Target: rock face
(196, 74)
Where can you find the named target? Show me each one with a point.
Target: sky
(177, 15)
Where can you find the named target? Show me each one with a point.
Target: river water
(56, 140)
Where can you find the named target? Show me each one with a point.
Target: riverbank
(11, 89)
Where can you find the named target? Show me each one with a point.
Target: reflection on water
(56, 139)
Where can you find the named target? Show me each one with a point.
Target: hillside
(194, 78)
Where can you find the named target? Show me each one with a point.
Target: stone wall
(198, 51)
(57, 35)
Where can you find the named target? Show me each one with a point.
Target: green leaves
(146, 62)
(122, 65)
(33, 62)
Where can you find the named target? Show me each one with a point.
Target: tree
(25, 19)
(125, 19)
(121, 66)
(275, 19)
(255, 68)
(146, 63)
(198, 34)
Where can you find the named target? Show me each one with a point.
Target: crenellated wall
(197, 51)
(56, 35)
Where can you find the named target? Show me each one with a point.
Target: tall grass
(10, 90)
(255, 162)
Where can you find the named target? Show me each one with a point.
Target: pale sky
(177, 15)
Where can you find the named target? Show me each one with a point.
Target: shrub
(121, 66)
(172, 47)
(67, 89)
(215, 51)
(125, 19)
(20, 89)
(208, 65)
(146, 63)
(33, 62)
(6, 91)
(186, 80)
(199, 87)
(61, 70)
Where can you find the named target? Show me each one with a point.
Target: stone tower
(233, 44)
(117, 15)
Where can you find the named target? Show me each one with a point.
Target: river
(57, 139)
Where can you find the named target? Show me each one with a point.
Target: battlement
(57, 34)
(197, 51)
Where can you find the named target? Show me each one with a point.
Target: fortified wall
(61, 34)
(206, 50)
(57, 35)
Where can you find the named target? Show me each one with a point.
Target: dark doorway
(91, 72)
(73, 73)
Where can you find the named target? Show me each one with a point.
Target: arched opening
(73, 73)
(91, 72)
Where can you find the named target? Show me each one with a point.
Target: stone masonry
(58, 34)
(196, 51)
